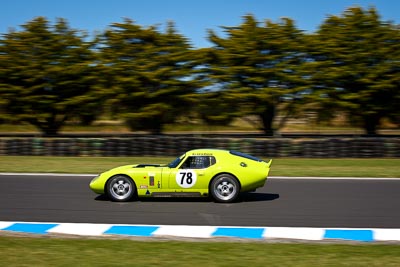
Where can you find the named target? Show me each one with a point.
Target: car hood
(126, 167)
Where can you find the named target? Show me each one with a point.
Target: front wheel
(224, 188)
(120, 188)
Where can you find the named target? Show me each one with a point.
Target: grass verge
(31, 251)
(280, 167)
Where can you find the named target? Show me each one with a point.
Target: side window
(198, 162)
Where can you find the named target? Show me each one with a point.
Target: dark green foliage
(150, 74)
(214, 108)
(45, 74)
(51, 74)
(257, 67)
(356, 67)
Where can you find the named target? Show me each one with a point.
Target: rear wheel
(120, 188)
(224, 188)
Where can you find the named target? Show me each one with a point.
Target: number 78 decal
(186, 178)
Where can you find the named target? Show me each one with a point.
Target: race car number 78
(186, 179)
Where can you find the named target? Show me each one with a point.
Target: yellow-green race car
(221, 174)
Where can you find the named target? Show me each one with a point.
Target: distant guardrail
(357, 147)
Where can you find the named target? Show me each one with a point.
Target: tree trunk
(157, 130)
(371, 123)
(267, 119)
(51, 126)
(50, 129)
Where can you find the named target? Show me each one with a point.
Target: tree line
(50, 74)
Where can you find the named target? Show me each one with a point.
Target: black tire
(120, 188)
(224, 188)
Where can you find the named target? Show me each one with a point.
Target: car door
(191, 175)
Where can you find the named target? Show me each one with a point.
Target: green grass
(336, 167)
(28, 251)
(280, 167)
(70, 164)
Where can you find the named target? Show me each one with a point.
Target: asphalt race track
(282, 202)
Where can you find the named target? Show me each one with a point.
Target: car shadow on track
(256, 197)
(243, 197)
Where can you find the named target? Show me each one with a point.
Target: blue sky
(192, 17)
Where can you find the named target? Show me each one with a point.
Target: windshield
(176, 161)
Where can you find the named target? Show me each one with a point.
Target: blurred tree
(257, 68)
(45, 74)
(149, 74)
(215, 109)
(356, 67)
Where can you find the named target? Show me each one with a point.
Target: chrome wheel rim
(225, 189)
(121, 188)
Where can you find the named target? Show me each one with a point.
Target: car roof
(219, 152)
(206, 152)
